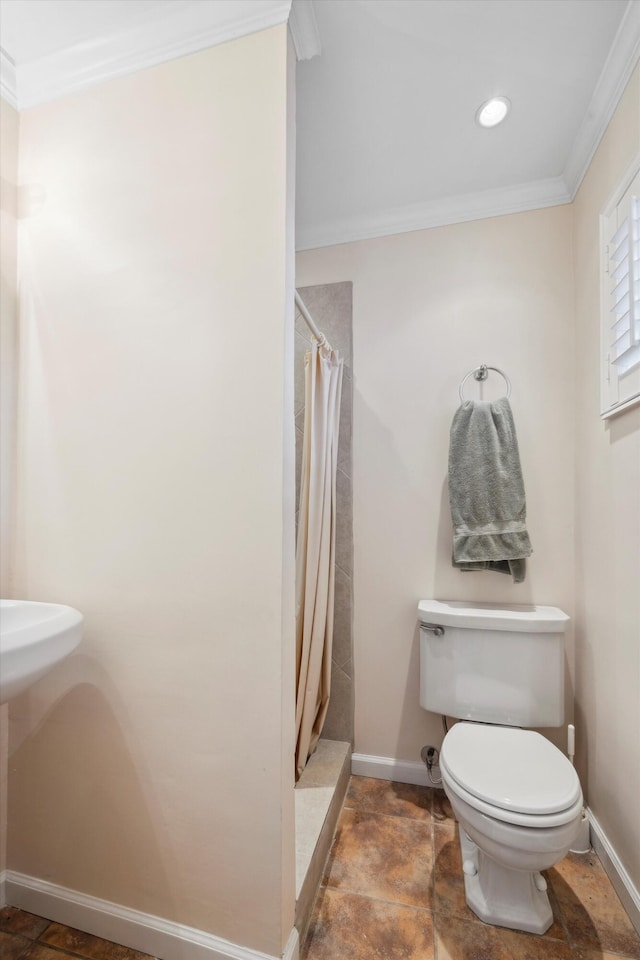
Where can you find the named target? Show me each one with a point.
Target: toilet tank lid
(525, 618)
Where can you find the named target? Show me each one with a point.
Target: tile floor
(393, 890)
(24, 936)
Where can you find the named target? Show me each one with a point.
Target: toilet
(499, 670)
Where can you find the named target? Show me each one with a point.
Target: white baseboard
(620, 879)
(3, 895)
(131, 928)
(388, 768)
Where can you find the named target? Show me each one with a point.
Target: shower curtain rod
(306, 316)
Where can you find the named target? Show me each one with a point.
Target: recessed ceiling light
(493, 112)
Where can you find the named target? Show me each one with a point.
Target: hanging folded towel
(486, 490)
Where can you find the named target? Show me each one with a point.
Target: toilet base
(502, 896)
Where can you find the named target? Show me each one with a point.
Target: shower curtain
(315, 549)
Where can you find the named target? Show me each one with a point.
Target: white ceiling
(386, 133)
(385, 116)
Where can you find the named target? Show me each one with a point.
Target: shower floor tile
(394, 888)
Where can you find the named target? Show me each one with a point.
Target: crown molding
(304, 30)
(437, 213)
(8, 79)
(186, 28)
(616, 73)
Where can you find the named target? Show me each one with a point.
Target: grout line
(390, 816)
(349, 576)
(66, 953)
(399, 816)
(433, 876)
(391, 903)
(38, 941)
(435, 913)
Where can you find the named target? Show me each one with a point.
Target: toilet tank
(493, 663)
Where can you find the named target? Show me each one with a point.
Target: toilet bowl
(499, 669)
(518, 803)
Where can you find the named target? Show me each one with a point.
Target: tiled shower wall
(330, 305)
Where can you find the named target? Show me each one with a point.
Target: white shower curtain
(315, 550)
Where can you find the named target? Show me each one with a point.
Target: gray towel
(486, 490)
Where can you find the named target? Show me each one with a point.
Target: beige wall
(427, 307)
(154, 768)
(8, 326)
(607, 529)
(8, 321)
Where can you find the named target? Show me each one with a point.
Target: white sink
(33, 638)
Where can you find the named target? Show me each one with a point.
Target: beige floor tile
(531, 946)
(13, 946)
(390, 798)
(588, 953)
(449, 895)
(458, 939)
(590, 908)
(26, 924)
(389, 858)
(86, 945)
(38, 951)
(349, 927)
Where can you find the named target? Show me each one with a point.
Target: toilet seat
(511, 774)
(533, 821)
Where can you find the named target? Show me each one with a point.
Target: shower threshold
(319, 795)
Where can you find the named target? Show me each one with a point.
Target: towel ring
(481, 373)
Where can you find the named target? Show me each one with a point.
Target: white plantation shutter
(624, 277)
(620, 314)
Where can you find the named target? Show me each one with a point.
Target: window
(620, 296)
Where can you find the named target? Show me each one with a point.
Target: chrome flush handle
(433, 628)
